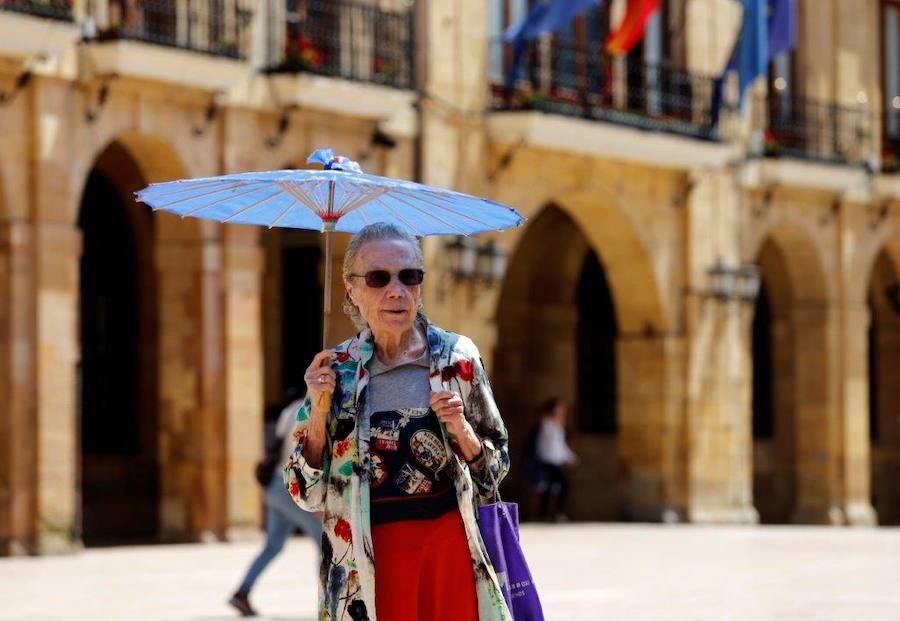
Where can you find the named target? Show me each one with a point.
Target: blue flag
(768, 28)
(545, 17)
(782, 26)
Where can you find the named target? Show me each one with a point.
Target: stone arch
(883, 345)
(119, 369)
(184, 258)
(538, 347)
(794, 361)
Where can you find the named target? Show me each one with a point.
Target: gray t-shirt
(406, 448)
(399, 387)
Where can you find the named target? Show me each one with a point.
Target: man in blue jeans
(283, 516)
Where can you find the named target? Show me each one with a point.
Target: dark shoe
(242, 605)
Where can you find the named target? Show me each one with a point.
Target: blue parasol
(338, 198)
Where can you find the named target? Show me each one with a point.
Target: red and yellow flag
(630, 31)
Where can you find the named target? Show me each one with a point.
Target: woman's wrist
(470, 444)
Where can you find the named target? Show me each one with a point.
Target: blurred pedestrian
(283, 516)
(553, 453)
(532, 473)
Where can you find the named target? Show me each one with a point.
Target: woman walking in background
(283, 517)
(553, 452)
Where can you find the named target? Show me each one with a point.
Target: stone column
(193, 430)
(719, 435)
(58, 252)
(18, 441)
(56, 340)
(650, 421)
(817, 413)
(855, 418)
(242, 276)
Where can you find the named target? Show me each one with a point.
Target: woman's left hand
(450, 410)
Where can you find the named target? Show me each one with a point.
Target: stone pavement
(584, 571)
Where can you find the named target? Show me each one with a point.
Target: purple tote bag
(499, 526)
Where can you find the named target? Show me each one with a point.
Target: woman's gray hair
(374, 232)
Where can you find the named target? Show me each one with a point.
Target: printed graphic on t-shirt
(428, 449)
(407, 414)
(377, 470)
(387, 435)
(412, 481)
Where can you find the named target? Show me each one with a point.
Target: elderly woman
(409, 442)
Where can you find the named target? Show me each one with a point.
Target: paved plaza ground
(584, 571)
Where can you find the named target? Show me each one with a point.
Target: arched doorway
(884, 388)
(292, 313)
(774, 459)
(794, 361)
(118, 414)
(557, 335)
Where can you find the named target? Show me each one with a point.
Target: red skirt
(423, 571)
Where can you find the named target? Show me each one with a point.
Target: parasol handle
(325, 400)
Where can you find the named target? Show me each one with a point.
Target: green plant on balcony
(300, 54)
(225, 47)
(771, 146)
(890, 161)
(40, 7)
(384, 71)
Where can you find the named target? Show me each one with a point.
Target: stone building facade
(138, 351)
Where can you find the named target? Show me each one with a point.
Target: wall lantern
(491, 262)
(469, 260)
(728, 283)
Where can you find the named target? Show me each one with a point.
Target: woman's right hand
(320, 379)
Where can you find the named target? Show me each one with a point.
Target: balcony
(351, 39)
(51, 9)
(813, 130)
(215, 27)
(37, 29)
(200, 44)
(342, 57)
(587, 83)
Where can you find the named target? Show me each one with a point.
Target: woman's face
(392, 308)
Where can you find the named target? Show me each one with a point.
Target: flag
(764, 35)
(750, 56)
(545, 17)
(782, 26)
(631, 30)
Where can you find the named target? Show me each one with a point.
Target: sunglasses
(376, 279)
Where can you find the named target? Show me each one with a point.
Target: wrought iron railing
(347, 39)
(588, 83)
(815, 130)
(890, 145)
(54, 9)
(218, 27)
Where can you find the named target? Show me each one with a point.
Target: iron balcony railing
(344, 38)
(814, 130)
(53, 9)
(890, 148)
(586, 82)
(219, 27)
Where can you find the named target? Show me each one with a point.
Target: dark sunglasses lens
(410, 277)
(378, 278)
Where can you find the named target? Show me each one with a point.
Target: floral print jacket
(340, 488)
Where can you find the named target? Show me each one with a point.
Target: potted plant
(300, 53)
